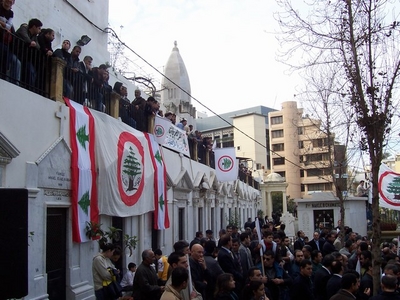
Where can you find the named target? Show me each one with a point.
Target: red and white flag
(83, 170)
(161, 219)
(389, 188)
(125, 170)
(226, 167)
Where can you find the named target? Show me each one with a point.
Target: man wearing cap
(362, 191)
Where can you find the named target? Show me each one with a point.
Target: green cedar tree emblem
(131, 167)
(159, 131)
(394, 187)
(158, 157)
(84, 203)
(161, 202)
(226, 163)
(82, 136)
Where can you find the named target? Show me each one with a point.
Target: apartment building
(300, 151)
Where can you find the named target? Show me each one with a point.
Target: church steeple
(172, 97)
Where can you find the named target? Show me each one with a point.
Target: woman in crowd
(225, 287)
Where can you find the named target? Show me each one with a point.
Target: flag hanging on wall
(389, 188)
(83, 170)
(226, 167)
(126, 175)
(161, 219)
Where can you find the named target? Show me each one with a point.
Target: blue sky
(228, 47)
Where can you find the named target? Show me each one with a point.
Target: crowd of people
(242, 266)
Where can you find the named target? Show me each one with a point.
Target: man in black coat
(334, 283)
(301, 288)
(226, 259)
(316, 243)
(328, 247)
(299, 243)
(322, 276)
(389, 292)
(198, 269)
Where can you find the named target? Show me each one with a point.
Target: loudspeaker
(14, 243)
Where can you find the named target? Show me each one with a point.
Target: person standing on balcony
(362, 191)
(10, 64)
(63, 52)
(29, 50)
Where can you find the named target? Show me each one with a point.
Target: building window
(279, 161)
(281, 173)
(300, 130)
(301, 144)
(319, 187)
(314, 172)
(277, 133)
(301, 173)
(278, 147)
(302, 188)
(276, 120)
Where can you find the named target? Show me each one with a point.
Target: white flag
(126, 174)
(389, 188)
(226, 167)
(161, 128)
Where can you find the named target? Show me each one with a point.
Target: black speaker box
(14, 243)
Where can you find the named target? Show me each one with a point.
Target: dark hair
(178, 276)
(158, 252)
(298, 233)
(235, 240)
(117, 86)
(363, 246)
(304, 263)
(209, 247)
(117, 251)
(174, 257)
(243, 236)
(198, 233)
(367, 254)
(308, 248)
(254, 285)
(225, 239)
(337, 267)
(76, 47)
(107, 246)
(250, 272)
(389, 282)
(46, 31)
(328, 260)
(180, 245)
(131, 265)
(314, 254)
(223, 283)
(392, 267)
(348, 280)
(348, 243)
(267, 233)
(208, 231)
(35, 22)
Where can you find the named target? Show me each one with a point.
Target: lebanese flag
(83, 170)
(389, 188)
(161, 219)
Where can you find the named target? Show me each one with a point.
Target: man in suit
(198, 269)
(226, 259)
(299, 243)
(322, 276)
(316, 243)
(328, 247)
(349, 285)
(334, 283)
(245, 254)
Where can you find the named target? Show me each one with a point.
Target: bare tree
(359, 39)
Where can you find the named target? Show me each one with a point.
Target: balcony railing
(49, 76)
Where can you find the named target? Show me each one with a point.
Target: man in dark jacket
(301, 288)
(349, 286)
(388, 284)
(322, 276)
